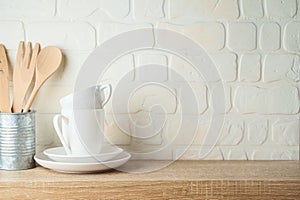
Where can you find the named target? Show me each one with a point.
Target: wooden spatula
(23, 74)
(17, 77)
(4, 81)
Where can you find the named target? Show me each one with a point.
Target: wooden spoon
(48, 61)
(23, 74)
(4, 81)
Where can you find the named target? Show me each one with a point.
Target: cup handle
(56, 123)
(104, 87)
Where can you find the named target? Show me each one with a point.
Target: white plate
(59, 154)
(67, 167)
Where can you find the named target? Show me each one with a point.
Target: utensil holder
(17, 140)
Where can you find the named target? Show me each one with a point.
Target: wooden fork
(23, 74)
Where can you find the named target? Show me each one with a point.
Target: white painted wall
(255, 44)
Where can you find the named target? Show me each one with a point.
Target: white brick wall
(255, 45)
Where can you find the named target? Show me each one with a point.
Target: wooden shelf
(182, 179)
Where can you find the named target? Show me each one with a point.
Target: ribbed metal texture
(17, 140)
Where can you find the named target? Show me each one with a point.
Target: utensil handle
(4, 91)
(109, 88)
(56, 123)
(31, 98)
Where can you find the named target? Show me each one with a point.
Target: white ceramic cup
(80, 131)
(94, 97)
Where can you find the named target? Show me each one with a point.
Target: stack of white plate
(56, 159)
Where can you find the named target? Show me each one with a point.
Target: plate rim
(50, 161)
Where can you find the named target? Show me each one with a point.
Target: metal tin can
(17, 140)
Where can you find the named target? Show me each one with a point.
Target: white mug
(90, 98)
(81, 134)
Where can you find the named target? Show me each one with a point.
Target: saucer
(59, 154)
(70, 167)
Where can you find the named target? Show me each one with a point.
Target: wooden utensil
(23, 74)
(17, 84)
(4, 81)
(48, 61)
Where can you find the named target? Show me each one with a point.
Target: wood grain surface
(180, 180)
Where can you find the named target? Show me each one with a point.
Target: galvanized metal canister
(17, 140)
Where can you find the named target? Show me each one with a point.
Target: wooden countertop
(180, 180)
